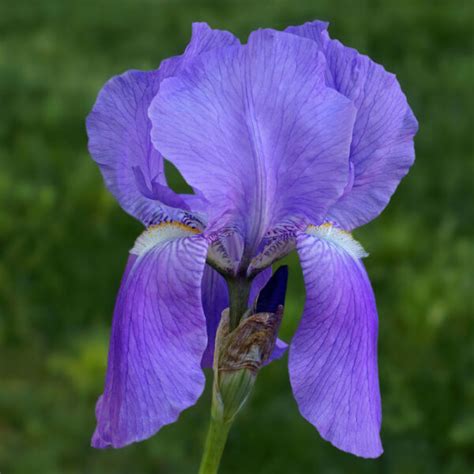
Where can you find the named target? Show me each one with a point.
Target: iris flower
(289, 142)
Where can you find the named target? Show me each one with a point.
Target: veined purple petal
(205, 39)
(226, 247)
(215, 298)
(257, 131)
(158, 338)
(333, 355)
(382, 148)
(279, 351)
(119, 133)
(158, 192)
(276, 244)
(316, 31)
(118, 130)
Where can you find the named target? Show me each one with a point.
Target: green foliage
(64, 241)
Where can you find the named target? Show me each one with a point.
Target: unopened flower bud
(239, 356)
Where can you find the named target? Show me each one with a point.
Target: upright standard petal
(158, 337)
(256, 130)
(382, 148)
(119, 132)
(118, 129)
(205, 39)
(333, 355)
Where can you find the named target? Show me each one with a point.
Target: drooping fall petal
(333, 355)
(158, 338)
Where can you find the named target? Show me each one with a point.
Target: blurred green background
(64, 242)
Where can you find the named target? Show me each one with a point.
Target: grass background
(64, 242)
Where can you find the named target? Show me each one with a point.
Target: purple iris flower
(288, 142)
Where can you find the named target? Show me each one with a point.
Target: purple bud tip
(274, 292)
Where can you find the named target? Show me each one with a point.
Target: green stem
(239, 291)
(235, 390)
(215, 443)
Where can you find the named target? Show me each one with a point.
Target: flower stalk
(215, 441)
(239, 291)
(239, 355)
